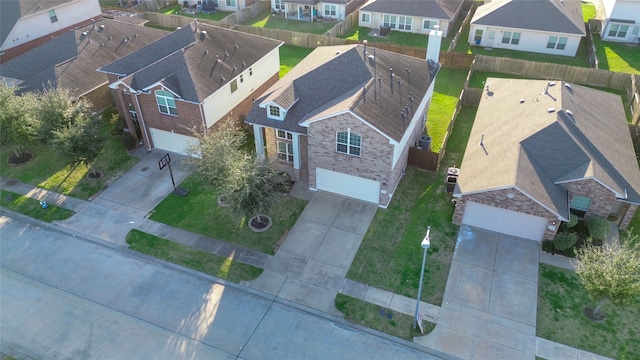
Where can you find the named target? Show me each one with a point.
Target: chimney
(433, 47)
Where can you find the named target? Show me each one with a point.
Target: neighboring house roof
(534, 137)
(12, 10)
(333, 79)
(436, 9)
(70, 61)
(559, 16)
(193, 62)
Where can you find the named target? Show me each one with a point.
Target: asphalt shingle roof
(335, 79)
(560, 16)
(435, 9)
(536, 137)
(194, 61)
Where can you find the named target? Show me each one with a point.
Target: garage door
(504, 221)
(169, 141)
(348, 185)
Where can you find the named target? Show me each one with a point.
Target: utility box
(451, 178)
(425, 142)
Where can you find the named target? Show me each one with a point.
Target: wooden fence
(344, 26)
(467, 19)
(247, 13)
(423, 159)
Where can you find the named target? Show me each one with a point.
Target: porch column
(258, 135)
(296, 151)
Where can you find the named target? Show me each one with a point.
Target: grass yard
(390, 257)
(588, 11)
(49, 170)
(290, 56)
(561, 298)
(269, 21)
(379, 318)
(448, 86)
(617, 57)
(395, 37)
(199, 213)
(32, 208)
(202, 261)
(177, 10)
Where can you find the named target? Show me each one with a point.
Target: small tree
(18, 126)
(82, 141)
(599, 228)
(609, 273)
(56, 109)
(564, 240)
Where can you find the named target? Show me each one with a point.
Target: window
(285, 151)
(281, 134)
(389, 21)
(491, 35)
(166, 103)
(250, 71)
(234, 85)
(365, 18)
(330, 10)
(279, 5)
(429, 24)
(274, 111)
(557, 42)
(579, 205)
(404, 23)
(241, 78)
(231, 3)
(509, 37)
(348, 143)
(618, 30)
(52, 16)
(132, 112)
(478, 36)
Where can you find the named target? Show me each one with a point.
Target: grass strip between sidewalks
(32, 208)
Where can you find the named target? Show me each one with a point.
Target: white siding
(416, 24)
(533, 41)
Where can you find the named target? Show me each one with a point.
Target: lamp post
(425, 245)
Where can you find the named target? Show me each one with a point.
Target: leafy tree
(57, 109)
(610, 272)
(599, 228)
(81, 141)
(18, 126)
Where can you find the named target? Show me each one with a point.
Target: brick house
(70, 60)
(189, 80)
(344, 118)
(541, 150)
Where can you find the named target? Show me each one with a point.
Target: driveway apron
(310, 266)
(490, 303)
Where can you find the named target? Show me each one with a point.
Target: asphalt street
(66, 297)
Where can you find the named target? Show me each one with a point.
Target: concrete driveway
(490, 303)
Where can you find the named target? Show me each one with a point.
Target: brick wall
(374, 162)
(602, 199)
(100, 98)
(520, 203)
(271, 151)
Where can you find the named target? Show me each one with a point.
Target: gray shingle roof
(331, 80)
(71, 59)
(186, 61)
(560, 16)
(557, 134)
(435, 9)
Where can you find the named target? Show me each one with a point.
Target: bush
(564, 240)
(573, 221)
(599, 228)
(128, 141)
(116, 125)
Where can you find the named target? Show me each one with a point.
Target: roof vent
(372, 60)
(102, 27)
(551, 83)
(569, 112)
(338, 52)
(84, 33)
(551, 109)
(521, 101)
(203, 34)
(568, 86)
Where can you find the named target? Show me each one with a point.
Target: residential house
(70, 60)
(189, 80)
(312, 10)
(540, 150)
(209, 6)
(622, 21)
(344, 118)
(544, 26)
(25, 24)
(415, 16)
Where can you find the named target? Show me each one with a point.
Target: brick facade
(602, 199)
(271, 151)
(520, 203)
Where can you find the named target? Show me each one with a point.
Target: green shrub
(599, 228)
(564, 240)
(573, 221)
(116, 125)
(128, 141)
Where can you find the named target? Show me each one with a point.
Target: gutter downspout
(147, 135)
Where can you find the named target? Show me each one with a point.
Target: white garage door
(504, 221)
(348, 185)
(169, 141)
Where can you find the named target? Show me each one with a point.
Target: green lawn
(195, 259)
(448, 86)
(32, 208)
(49, 170)
(617, 57)
(269, 21)
(390, 257)
(177, 10)
(395, 37)
(290, 56)
(588, 10)
(200, 213)
(561, 298)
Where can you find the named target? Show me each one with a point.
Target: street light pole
(425, 245)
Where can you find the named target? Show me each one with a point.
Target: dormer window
(274, 111)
